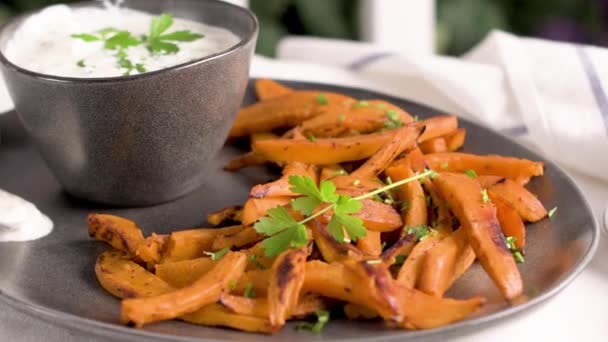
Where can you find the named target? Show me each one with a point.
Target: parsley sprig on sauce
(157, 41)
(283, 231)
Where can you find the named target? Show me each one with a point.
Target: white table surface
(578, 313)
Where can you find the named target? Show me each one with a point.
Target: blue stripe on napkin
(596, 85)
(362, 62)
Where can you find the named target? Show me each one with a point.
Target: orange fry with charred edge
(258, 279)
(402, 247)
(324, 151)
(359, 283)
(184, 272)
(266, 89)
(440, 262)
(409, 273)
(416, 160)
(411, 194)
(124, 278)
(370, 244)
(118, 232)
(443, 217)
(437, 126)
(329, 172)
(455, 140)
(286, 279)
(487, 181)
(255, 208)
(285, 111)
(434, 145)
(192, 243)
(149, 250)
(281, 186)
(403, 139)
(245, 160)
(509, 219)
(519, 170)
(258, 307)
(330, 249)
(422, 311)
(217, 315)
(204, 291)
(354, 311)
(526, 204)
(376, 216)
(239, 239)
(228, 214)
(362, 119)
(463, 194)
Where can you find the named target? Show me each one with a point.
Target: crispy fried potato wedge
(411, 195)
(281, 186)
(266, 89)
(118, 232)
(455, 139)
(239, 239)
(370, 244)
(124, 278)
(325, 151)
(437, 126)
(193, 243)
(509, 219)
(286, 279)
(184, 272)
(526, 204)
(409, 273)
(519, 170)
(206, 290)
(434, 145)
(258, 306)
(285, 111)
(330, 249)
(149, 250)
(255, 208)
(463, 194)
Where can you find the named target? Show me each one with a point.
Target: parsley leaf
(158, 46)
(322, 99)
(484, 196)
(80, 63)
(278, 220)
(517, 253)
(361, 104)
(159, 43)
(219, 254)
(292, 237)
(394, 121)
(87, 37)
(400, 259)
(420, 232)
(254, 260)
(160, 24)
(322, 319)
(471, 173)
(249, 292)
(121, 40)
(551, 212)
(181, 36)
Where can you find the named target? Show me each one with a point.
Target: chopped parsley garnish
(471, 173)
(361, 104)
(249, 292)
(232, 284)
(322, 319)
(394, 121)
(339, 173)
(420, 232)
(405, 205)
(510, 241)
(400, 259)
(416, 118)
(80, 63)
(219, 254)
(322, 99)
(282, 231)
(341, 118)
(379, 106)
(311, 137)
(551, 212)
(484, 196)
(443, 166)
(156, 41)
(254, 260)
(373, 261)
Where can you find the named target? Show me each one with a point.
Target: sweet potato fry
(255, 208)
(411, 195)
(403, 139)
(323, 151)
(285, 111)
(217, 315)
(439, 264)
(441, 216)
(206, 290)
(354, 311)
(281, 187)
(258, 279)
(245, 160)
(231, 214)
(370, 244)
(519, 170)
(487, 181)
(437, 126)
(372, 116)
(331, 171)
(124, 278)
(239, 239)
(455, 139)
(422, 311)
(463, 194)
(409, 273)
(509, 219)
(330, 249)
(185, 272)
(416, 160)
(266, 89)
(526, 204)
(376, 216)
(258, 307)
(403, 247)
(118, 232)
(192, 243)
(434, 145)
(149, 250)
(286, 279)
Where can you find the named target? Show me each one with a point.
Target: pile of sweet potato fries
(395, 216)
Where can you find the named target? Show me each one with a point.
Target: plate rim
(103, 329)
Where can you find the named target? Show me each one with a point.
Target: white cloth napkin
(554, 95)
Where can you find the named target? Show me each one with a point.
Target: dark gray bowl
(143, 139)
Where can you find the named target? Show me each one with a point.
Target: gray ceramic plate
(53, 278)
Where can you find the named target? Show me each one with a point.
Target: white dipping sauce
(20, 220)
(43, 42)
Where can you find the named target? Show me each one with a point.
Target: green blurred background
(460, 23)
